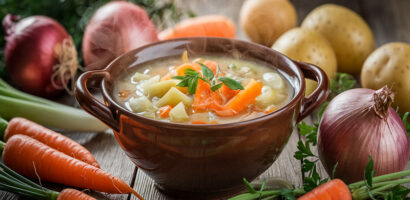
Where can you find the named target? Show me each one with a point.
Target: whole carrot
(34, 159)
(72, 194)
(210, 25)
(332, 190)
(53, 139)
(14, 182)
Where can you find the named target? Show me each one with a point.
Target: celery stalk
(7, 90)
(50, 114)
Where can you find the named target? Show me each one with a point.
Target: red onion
(40, 54)
(358, 123)
(115, 28)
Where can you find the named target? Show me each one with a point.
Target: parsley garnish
(341, 83)
(191, 77)
(406, 124)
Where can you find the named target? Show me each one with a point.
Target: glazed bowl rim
(159, 123)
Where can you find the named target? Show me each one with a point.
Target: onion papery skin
(350, 131)
(32, 47)
(115, 28)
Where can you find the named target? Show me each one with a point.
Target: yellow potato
(264, 21)
(390, 65)
(308, 46)
(350, 36)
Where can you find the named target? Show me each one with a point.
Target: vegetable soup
(203, 90)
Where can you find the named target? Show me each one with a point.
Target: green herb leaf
(322, 109)
(308, 165)
(398, 192)
(405, 122)
(263, 185)
(334, 170)
(205, 80)
(216, 87)
(231, 83)
(369, 172)
(341, 83)
(303, 151)
(206, 72)
(192, 85)
(310, 132)
(183, 83)
(217, 70)
(287, 194)
(249, 186)
(178, 77)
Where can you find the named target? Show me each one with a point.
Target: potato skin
(308, 46)
(390, 65)
(350, 36)
(264, 21)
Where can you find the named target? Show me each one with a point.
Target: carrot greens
(13, 182)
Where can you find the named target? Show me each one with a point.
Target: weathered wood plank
(389, 20)
(286, 166)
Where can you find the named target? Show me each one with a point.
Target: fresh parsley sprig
(406, 123)
(191, 77)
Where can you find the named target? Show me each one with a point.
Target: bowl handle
(88, 102)
(319, 95)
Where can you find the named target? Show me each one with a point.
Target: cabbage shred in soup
(205, 90)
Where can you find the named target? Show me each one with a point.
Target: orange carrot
(332, 190)
(210, 25)
(270, 109)
(55, 140)
(72, 194)
(242, 100)
(180, 70)
(164, 111)
(227, 93)
(211, 65)
(198, 122)
(34, 159)
(205, 99)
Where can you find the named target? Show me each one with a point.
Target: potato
(268, 97)
(390, 65)
(160, 88)
(350, 36)
(273, 80)
(178, 113)
(139, 77)
(264, 21)
(146, 84)
(308, 46)
(173, 97)
(141, 104)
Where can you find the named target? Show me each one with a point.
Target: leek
(14, 103)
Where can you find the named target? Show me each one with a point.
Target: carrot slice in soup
(242, 100)
(180, 70)
(205, 99)
(164, 111)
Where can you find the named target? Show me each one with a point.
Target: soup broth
(203, 90)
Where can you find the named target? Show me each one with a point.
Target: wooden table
(389, 20)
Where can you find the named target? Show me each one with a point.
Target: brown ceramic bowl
(202, 159)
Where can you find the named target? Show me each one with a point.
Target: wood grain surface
(389, 20)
